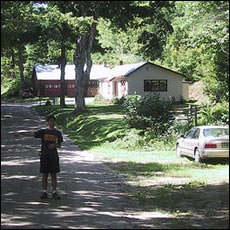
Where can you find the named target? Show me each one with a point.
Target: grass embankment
(102, 130)
(100, 124)
(156, 176)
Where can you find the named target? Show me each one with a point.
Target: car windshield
(216, 132)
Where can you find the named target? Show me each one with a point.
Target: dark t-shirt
(49, 136)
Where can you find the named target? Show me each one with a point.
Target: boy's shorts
(49, 164)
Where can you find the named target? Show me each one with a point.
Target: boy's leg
(54, 186)
(54, 181)
(44, 185)
(45, 181)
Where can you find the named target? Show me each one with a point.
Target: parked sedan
(203, 142)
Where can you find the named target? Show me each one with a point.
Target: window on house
(49, 86)
(155, 85)
(71, 86)
(93, 83)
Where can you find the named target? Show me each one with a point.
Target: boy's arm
(25, 133)
(58, 145)
(58, 142)
(55, 145)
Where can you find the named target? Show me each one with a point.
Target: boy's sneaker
(55, 196)
(44, 195)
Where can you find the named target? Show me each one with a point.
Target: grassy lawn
(153, 174)
(102, 130)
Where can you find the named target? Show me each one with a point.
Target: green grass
(164, 164)
(100, 124)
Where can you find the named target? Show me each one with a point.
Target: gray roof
(98, 72)
(53, 72)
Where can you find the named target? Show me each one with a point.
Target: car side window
(196, 134)
(190, 133)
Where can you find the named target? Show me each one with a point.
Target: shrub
(98, 99)
(149, 112)
(118, 101)
(214, 114)
(12, 88)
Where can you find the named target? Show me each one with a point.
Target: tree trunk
(21, 67)
(79, 61)
(63, 83)
(82, 57)
(12, 63)
(79, 95)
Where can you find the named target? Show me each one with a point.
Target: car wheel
(178, 151)
(197, 156)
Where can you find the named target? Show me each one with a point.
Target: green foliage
(179, 128)
(119, 101)
(19, 26)
(7, 70)
(98, 99)
(149, 112)
(214, 114)
(199, 45)
(156, 28)
(134, 139)
(10, 88)
(115, 44)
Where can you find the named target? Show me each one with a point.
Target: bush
(149, 112)
(118, 101)
(98, 99)
(12, 88)
(135, 139)
(214, 114)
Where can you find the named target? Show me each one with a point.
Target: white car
(203, 142)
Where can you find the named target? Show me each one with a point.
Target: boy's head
(50, 120)
(50, 117)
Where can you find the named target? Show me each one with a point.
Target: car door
(194, 142)
(189, 142)
(184, 142)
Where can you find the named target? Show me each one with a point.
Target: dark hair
(50, 117)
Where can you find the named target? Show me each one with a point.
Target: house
(125, 79)
(145, 78)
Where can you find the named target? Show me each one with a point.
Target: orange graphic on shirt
(50, 137)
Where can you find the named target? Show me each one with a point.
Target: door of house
(41, 89)
(115, 93)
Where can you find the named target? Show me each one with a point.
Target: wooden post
(190, 112)
(195, 115)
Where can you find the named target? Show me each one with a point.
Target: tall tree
(199, 45)
(58, 27)
(18, 28)
(156, 28)
(74, 23)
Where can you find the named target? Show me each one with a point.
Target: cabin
(125, 79)
(144, 78)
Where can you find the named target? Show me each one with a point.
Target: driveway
(93, 196)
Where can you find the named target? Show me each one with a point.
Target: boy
(51, 139)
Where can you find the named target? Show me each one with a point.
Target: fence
(188, 114)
